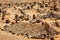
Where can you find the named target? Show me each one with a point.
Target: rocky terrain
(34, 20)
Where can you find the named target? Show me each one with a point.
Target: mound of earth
(32, 30)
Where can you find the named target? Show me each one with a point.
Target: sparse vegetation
(30, 19)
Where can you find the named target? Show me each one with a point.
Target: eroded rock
(35, 31)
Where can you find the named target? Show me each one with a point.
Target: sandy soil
(8, 36)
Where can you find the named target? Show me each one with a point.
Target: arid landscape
(29, 19)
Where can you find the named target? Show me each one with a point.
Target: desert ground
(29, 19)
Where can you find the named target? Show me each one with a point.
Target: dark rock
(7, 21)
(52, 38)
